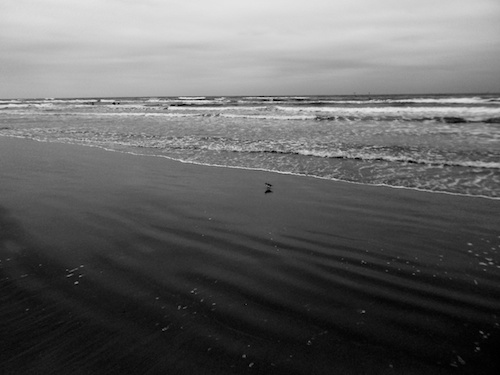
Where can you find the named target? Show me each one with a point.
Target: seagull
(268, 185)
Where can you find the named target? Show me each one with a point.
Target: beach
(116, 263)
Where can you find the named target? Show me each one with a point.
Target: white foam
(412, 112)
(14, 106)
(216, 108)
(270, 117)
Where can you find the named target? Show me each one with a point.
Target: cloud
(56, 47)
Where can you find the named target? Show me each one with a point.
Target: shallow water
(158, 268)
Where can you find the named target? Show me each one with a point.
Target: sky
(111, 48)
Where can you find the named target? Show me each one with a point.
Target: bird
(268, 188)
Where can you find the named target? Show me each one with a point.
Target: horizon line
(250, 95)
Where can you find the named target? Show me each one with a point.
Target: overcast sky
(78, 48)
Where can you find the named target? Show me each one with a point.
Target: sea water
(445, 143)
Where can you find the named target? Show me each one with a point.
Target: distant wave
(376, 100)
(271, 117)
(356, 100)
(446, 110)
(224, 108)
(435, 101)
(443, 119)
(397, 110)
(304, 116)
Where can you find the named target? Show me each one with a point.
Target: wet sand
(117, 263)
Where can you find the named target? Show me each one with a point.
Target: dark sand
(114, 263)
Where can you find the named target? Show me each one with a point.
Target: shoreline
(334, 180)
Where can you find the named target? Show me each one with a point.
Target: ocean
(304, 235)
(445, 143)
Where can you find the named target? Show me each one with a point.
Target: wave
(363, 154)
(274, 98)
(216, 112)
(216, 108)
(348, 155)
(443, 119)
(352, 100)
(11, 101)
(345, 117)
(307, 147)
(434, 101)
(420, 109)
(13, 106)
(377, 100)
(418, 114)
(400, 111)
(239, 113)
(397, 159)
(271, 117)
